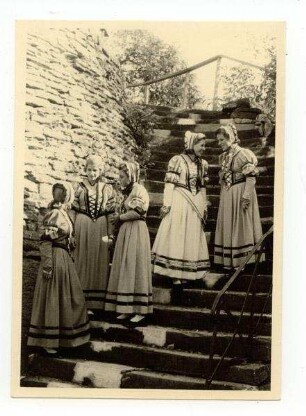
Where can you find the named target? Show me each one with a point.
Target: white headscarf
(231, 130)
(69, 197)
(133, 171)
(190, 138)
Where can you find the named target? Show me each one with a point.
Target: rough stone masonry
(74, 95)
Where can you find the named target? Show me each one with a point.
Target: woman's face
(224, 142)
(123, 179)
(199, 148)
(59, 195)
(92, 172)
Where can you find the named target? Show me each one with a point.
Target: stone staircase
(173, 351)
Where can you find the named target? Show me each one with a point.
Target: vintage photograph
(148, 203)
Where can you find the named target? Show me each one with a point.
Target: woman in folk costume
(93, 203)
(238, 224)
(180, 248)
(129, 291)
(59, 316)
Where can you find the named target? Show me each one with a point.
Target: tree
(144, 57)
(245, 82)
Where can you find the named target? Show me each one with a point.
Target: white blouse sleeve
(174, 170)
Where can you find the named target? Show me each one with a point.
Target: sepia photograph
(148, 209)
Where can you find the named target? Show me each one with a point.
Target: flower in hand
(108, 239)
(245, 204)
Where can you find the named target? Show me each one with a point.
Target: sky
(197, 41)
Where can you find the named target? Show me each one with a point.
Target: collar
(128, 189)
(233, 149)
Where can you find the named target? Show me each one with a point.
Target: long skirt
(130, 284)
(180, 248)
(237, 230)
(59, 315)
(92, 258)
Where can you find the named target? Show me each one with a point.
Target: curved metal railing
(187, 71)
(220, 304)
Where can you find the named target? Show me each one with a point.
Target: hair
(94, 160)
(222, 130)
(123, 167)
(59, 186)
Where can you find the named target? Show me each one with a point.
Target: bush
(141, 121)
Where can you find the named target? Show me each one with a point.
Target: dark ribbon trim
(64, 328)
(116, 293)
(234, 248)
(122, 303)
(183, 269)
(61, 245)
(183, 261)
(60, 336)
(234, 256)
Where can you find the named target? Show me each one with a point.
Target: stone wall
(74, 92)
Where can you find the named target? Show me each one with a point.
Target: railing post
(147, 94)
(217, 79)
(185, 91)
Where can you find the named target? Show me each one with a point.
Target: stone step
(201, 126)
(198, 126)
(216, 281)
(47, 382)
(157, 359)
(170, 361)
(146, 379)
(179, 339)
(196, 318)
(204, 298)
(245, 133)
(78, 372)
(250, 375)
(156, 380)
(207, 114)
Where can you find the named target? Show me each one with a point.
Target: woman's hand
(245, 204)
(47, 273)
(164, 211)
(114, 219)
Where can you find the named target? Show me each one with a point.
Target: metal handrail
(187, 71)
(239, 270)
(193, 68)
(219, 303)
